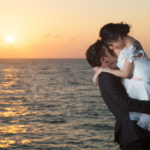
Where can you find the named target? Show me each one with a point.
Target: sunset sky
(65, 28)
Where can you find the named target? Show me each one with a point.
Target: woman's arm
(125, 73)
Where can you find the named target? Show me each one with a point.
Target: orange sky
(66, 28)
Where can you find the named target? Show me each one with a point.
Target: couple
(126, 91)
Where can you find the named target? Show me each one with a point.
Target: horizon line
(42, 58)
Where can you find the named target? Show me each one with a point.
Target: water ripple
(52, 104)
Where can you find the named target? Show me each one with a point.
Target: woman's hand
(98, 71)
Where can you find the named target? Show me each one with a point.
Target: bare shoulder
(134, 42)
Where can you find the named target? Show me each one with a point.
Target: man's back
(114, 95)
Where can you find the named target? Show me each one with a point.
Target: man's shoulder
(106, 77)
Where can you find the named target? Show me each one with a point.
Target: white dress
(138, 86)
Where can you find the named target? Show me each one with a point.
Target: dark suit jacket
(117, 100)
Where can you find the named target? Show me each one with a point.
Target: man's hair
(95, 52)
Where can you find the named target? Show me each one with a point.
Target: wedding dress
(138, 86)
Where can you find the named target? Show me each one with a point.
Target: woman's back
(130, 54)
(135, 87)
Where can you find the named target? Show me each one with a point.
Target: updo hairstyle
(111, 31)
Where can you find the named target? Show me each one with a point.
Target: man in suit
(127, 133)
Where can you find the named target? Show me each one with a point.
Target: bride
(133, 64)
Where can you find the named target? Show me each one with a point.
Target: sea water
(52, 104)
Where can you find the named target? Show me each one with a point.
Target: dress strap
(130, 53)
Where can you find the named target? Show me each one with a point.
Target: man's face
(111, 56)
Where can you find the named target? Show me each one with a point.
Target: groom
(127, 133)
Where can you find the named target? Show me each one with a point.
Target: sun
(9, 39)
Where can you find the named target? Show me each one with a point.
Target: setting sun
(9, 39)
(55, 29)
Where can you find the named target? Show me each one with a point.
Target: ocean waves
(52, 104)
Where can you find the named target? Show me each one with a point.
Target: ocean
(52, 104)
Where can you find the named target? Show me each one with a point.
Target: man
(127, 133)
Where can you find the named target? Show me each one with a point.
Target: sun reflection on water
(36, 113)
(11, 108)
(6, 143)
(7, 84)
(12, 129)
(15, 111)
(11, 91)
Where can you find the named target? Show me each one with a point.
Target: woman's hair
(112, 31)
(95, 52)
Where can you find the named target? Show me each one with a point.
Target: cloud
(72, 39)
(1, 40)
(11, 46)
(57, 36)
(47, 36)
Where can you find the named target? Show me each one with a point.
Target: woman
(133, 64)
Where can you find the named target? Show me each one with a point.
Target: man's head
(100, 55)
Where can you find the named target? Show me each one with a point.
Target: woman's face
(117, 44)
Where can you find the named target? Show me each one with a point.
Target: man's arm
(113, 88)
